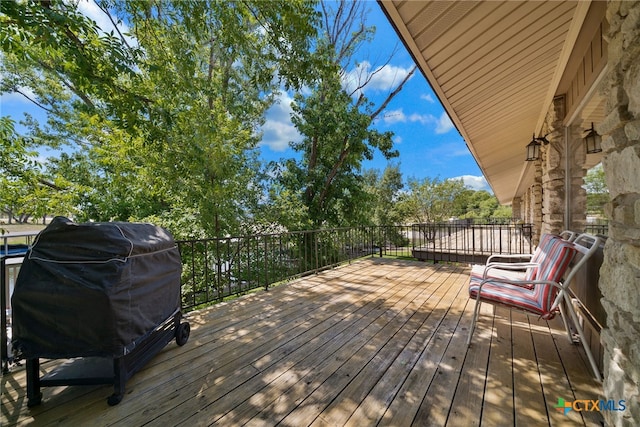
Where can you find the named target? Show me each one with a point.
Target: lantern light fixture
(593, 141)
(533, 148)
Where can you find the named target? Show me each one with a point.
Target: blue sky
(428, 143)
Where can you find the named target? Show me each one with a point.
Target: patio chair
(569, 235)
(537, 286)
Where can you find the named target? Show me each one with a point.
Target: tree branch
(334, 171)
(106, 12)
(48, 110)
(392, 94)
(49, 184)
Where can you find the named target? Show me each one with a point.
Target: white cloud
(444, 124)
(382, 78)
(17, 98)
(91, 10)
(387, 77)
(278, 130)
(474, 182)
(422, 118)
(394, 116)
(427, 97)
(398, 116)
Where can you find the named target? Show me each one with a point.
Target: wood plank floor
(375, 342)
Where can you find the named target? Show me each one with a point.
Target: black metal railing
(9, 269)
(469, 241)
(213, 269)
(598, 229)
(218, 268)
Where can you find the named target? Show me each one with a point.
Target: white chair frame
(587, 245)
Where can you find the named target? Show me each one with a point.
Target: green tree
(431, 199)
(386, 192)
(161, 119)
(336, 125)
(25, 191)
(479, 204)
(597, 193)
(502, 212)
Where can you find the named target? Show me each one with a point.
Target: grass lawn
(13, 229)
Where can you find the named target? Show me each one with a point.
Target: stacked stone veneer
(560, 164)
(620, 272)
(553, 170)
(528, 208)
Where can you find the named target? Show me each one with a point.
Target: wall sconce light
(593, 141)
(533, 148)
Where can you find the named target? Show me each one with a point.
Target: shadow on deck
(375, 342)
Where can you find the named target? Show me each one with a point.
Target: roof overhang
(496, 67)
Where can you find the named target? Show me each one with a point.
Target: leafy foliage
(431, 199)
(597, 192)
(385, 192)
(159, 121)
(336, 126)
(479, 204)
(24, 190)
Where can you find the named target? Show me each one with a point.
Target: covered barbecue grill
(104, 295)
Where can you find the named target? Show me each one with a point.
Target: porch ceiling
(496, 67)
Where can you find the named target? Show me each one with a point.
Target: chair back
(569, 235)
(586, 245)
(553, 255)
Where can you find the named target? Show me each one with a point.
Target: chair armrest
(512, 256)
(524, 283)
(513, 266)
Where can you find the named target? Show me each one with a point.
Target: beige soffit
(495, 65)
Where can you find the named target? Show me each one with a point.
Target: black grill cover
(94, 289)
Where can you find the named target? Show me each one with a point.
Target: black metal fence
(9, 269)
(598, 229)
(217, 268)
(467, 241)
(213, 269)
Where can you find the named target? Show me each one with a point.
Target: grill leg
(119, 380)
(34, 395)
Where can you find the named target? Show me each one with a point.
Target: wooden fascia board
(579, 15)
(405, 36)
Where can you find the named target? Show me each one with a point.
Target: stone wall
(516, 208)
(530, 205)
(577, 159)
(620, 272)
(553, 170)
(560, 163)
(535, 204)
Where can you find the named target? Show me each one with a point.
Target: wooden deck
(376, 342)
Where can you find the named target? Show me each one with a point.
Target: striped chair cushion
(554, 259)
(477, 272)
(538, 299)
(546, 241)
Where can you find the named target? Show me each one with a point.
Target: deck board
(375, 342)
(498, 402)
